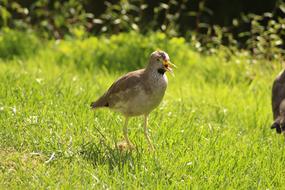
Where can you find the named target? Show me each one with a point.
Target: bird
(138, 92)
(278, 103)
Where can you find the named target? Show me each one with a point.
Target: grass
(210, 132)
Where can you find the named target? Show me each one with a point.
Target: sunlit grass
(210, 132)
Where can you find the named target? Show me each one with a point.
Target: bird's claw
(125, 146)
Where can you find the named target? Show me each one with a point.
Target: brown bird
(278, 103)
(138, 92)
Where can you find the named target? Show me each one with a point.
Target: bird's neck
(153, 70)
(155, 75)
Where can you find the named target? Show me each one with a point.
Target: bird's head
(159, 61)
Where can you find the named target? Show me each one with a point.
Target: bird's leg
(125, 129)
(146, 132)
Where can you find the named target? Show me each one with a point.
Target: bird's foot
(124, 146)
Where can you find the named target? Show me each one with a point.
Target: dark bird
(278, 103)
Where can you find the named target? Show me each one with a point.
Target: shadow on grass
(103, 154)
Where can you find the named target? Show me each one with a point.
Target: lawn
(212, 130)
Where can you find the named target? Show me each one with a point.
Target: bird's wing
(116, 91)
(126, 82)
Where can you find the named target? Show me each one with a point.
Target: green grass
(212, 130)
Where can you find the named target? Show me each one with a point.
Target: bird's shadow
(103, 154)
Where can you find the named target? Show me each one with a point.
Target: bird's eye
(157, 59)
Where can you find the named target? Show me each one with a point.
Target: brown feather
(101, 102)
(109, 98)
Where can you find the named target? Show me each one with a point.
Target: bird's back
(121, 85)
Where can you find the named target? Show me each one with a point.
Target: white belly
(144, 103)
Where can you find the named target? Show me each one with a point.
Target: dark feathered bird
(278, 103)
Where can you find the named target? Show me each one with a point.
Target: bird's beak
(168, 66)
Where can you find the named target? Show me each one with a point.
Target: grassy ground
(210, 132)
